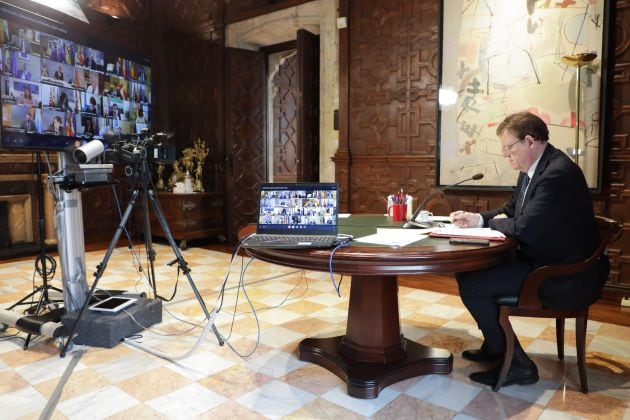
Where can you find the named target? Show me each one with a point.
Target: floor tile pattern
(258, 375)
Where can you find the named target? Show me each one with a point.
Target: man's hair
(524, 123)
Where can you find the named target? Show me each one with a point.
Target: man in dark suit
(551, 216)
(28, 124)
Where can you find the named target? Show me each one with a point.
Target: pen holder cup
(408, 202)
(398, 212)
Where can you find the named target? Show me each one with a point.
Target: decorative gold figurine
(177, 174)
(201, 152)
(160, 186)
(190, 162)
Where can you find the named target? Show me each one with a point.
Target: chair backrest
(607, 230)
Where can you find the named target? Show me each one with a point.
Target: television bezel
(22, 141)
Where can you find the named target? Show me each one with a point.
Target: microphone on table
(412, 224)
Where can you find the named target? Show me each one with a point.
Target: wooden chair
(528, 304)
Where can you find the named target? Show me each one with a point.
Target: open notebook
(296, 215)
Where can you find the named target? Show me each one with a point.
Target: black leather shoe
(481, 355)
(518, 374)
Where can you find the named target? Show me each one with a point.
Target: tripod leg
(24, 300)
(148, 240)
(101, 267)
(41, 223)
(183, 265)
(30, 296)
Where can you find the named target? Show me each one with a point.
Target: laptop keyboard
(288, 241)
(289, 238)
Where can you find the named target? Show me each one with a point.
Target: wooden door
(285, 120)
(308, 106)
(245, 139)
(245, 144)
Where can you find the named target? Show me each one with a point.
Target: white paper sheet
(454, 231)
(394, 237)
(444, 219)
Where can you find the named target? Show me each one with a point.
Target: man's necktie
(521, 195)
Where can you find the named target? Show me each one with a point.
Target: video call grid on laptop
(299, 215)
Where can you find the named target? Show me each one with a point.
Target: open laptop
(296, 215)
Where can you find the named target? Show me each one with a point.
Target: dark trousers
(477, 288)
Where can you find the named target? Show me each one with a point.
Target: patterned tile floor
(259, 375)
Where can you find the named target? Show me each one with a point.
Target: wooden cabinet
(190, 216)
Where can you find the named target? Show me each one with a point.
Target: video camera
(135, 149)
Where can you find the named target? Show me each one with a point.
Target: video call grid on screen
(52, 86)
(298, 207)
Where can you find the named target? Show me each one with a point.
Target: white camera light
(88, 151)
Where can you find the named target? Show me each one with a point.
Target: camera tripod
(141, 177)
(45, 308)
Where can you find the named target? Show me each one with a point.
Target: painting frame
(504, 59)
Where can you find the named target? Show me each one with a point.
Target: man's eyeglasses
(506, 149)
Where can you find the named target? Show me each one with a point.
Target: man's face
(518, 152)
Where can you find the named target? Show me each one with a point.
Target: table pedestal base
(366, 379)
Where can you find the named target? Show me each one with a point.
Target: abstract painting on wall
(499, 57)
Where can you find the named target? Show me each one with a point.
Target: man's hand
(465, 219)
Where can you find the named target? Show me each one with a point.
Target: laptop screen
(298, 208)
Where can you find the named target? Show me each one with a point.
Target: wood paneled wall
(245, 137)
(388, 89)
(192, 85)
(615, 200)
(389, 81)
(393, 57)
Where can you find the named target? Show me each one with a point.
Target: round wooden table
(373, 353)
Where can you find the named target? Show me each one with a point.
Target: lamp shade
(68, 7)
(114, 8)
(580, 59)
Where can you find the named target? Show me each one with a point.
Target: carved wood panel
(392, 99)
(100, 217)
(308, 106)
(285, 123)
(193, 83)
(617, 152)
(201, 18)
(236, 10)
(244, 136)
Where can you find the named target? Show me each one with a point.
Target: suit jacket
(29, 126)
(556, 225)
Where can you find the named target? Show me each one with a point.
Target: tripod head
(139, 152)
(135, 148)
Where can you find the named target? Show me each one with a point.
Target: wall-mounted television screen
(61, 89)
